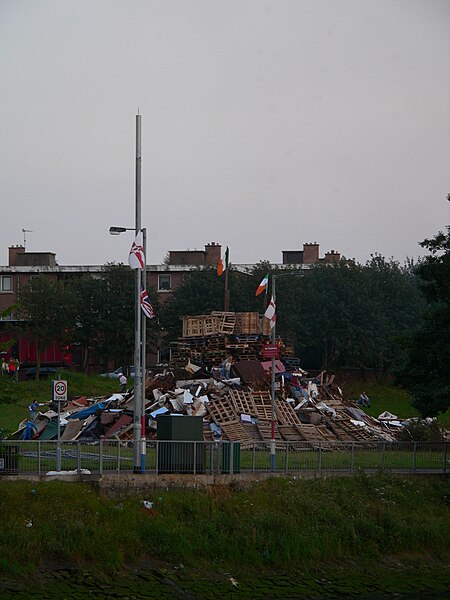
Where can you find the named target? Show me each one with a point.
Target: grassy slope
(387, 397)
(16, 397)
(277, 526)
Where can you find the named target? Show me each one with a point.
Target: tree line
(381, 315)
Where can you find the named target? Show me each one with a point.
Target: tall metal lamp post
(139, 441)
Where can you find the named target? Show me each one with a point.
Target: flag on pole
(263, 285)
(223, 263)
(136, 258)
(271, 313)
(146, 305)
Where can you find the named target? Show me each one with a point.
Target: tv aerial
(25, 231)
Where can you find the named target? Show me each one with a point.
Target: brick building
(23, 266)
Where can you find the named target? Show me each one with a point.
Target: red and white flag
(271, 313)
(136, 258)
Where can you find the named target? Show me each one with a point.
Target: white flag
(271, 313)
(136, 258)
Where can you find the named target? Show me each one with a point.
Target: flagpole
(143, 356)
(272, 441)
(226, 303)
(137, 413)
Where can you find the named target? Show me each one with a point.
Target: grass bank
(16, 397)
(276, 525)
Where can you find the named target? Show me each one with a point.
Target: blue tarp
(83, 414)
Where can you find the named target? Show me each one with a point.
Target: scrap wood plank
(125, 434)
(122, 422)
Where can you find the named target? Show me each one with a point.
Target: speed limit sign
(59, 391)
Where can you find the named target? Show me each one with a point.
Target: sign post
(59, 394)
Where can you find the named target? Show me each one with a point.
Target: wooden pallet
(235, 432)
(263, 403)
(221, 411)
(265, 431)
(252, 430)
(242, 402)
(247, 323)
(286, 415)
(341, 432)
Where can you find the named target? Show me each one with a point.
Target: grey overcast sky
(265, 124)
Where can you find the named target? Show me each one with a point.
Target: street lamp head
(117, 230)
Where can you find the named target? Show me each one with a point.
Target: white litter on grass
(74, 472)
(148, 504)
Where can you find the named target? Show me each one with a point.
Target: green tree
(87, 306)
(426, 373)
(115, 338)
(43, 311)
(347, 314)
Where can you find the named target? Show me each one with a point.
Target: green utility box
(180, 444)
(226, 455)
(9, 457)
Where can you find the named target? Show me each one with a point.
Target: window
(5, 283)
(164, 282)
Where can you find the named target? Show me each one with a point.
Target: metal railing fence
(114, 456)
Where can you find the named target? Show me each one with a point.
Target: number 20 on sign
(59, 391)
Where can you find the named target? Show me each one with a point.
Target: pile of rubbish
(311, 410)
(221, 372)
(208, 339)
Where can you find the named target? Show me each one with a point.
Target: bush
(421, 430)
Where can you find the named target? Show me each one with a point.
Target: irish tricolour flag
(223, 263)
(262, 286)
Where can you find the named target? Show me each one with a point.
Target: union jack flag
(146, 306)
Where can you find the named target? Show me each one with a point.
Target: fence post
(78, 458)
(253, 458)
(445, 457)
(157, 455)
(39, 457)
(319, 466)
(100, 450)
(231, 457)
(195, 458)
(287, 458)
(118, 456)
(210, 459)
(415, 457)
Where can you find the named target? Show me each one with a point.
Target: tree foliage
(426, 373)
(102, 314)
(43, 311)
(335, 315)
(347, 314)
